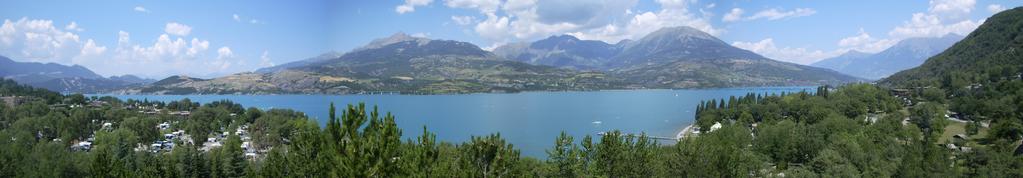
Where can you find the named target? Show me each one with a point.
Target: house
(716, 126)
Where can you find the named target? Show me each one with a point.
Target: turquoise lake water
(529, 120)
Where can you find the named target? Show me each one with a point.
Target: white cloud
(40, 41)
(166, 56)
(175, 28)
(236, 17)
(463, 20)
(255, 21)
(995, 8)
(224, 59)
(942, 17)
(91, 49)
(776, 14)
(865, 43)
(605, 20)
(140, 9)
(734, 15)
(767, 48)
(73, 26)
(123, 39)
(673, 13)
(410, 6)
(224, 53)
(954, 9)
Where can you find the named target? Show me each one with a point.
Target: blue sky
(212, 38)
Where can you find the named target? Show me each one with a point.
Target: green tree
(564, 159)
(488, 156)
(233, 158)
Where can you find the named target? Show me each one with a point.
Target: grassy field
(954, 128)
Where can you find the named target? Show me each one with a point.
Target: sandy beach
(685, 132)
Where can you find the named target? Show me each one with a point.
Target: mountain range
(905, 54)
(62, 78)
(399, 63)
(676, 57)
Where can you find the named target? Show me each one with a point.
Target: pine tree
(233, 158)
(563, 159)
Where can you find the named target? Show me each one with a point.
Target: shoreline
(782, 87)
(685, 132)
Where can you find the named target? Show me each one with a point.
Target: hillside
(905, 54)
(304, 62)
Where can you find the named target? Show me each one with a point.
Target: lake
(528, 120)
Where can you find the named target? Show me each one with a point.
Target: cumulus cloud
(942, 17)
(178, 29)
(410, 5)
(777, 14)
(734, 15)
(40, 41)
(140, 9)
(508, 21)
(168, 56)
(865, 43)
(224, 53)
(923, 25)
(672, 13)
(995, 8)
(767, 48)
(952, 8)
